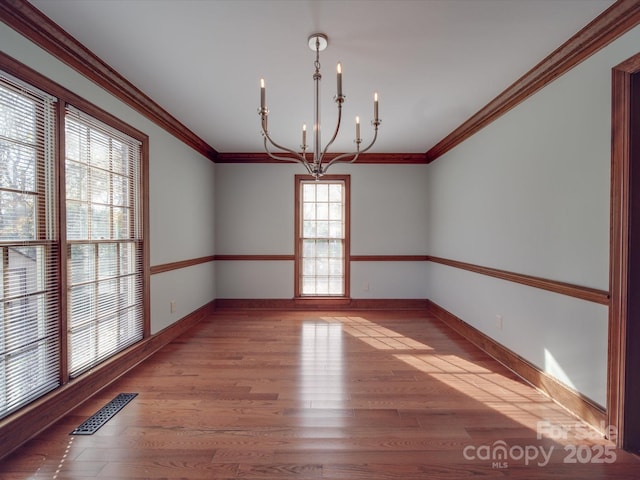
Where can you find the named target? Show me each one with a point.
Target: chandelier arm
(375, 137)
(283, 159)
(297, 157)
(335, 133)
(356, 154)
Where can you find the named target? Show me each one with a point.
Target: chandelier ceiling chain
(314, 161)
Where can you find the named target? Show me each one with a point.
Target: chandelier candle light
(314, 163)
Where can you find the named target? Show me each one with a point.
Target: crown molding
(27, 20)
(372, 158)
(40, 29)
(621, 17)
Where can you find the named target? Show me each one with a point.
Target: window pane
(18, 211)
(335, 267)
(83, 262)
(108, 337)
(322, 248)
(99, 150)
(335, 230)
(335, 211)
(22, 322)
(308, 192)
(73, 145)
(107, 260)
(322, 211)
(76, 181)
(322, 286)
(309, 248)
(83, 301)
(322, 192)
(308, 229)
(128, 296)
(309, 285)
(322, 229)
(120, 190)
(107, 297)
(100, 222)
(18, 115)
(322, 266)
(120, 158)
(127, 258)
(77, 216)
(31, 261)
(335, 285)
(335, 248)
(100, 188)
(18, 166)
(309, 211)
(82, 347)
(121, 225)
(308, 267)
(335, 193)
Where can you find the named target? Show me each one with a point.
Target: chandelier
(314, 160)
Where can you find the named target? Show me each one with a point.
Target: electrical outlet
(365, 286)
(499, 322)
(172, 306)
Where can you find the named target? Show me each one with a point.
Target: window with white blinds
(104, 237)
(29, 287)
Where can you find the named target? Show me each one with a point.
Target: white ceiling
(434, 62)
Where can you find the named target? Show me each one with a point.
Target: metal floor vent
(102, 416)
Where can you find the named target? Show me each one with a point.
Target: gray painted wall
(530, 194)
(255, 215)
(180, 191)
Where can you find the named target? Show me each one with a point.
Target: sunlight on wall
(553, 368)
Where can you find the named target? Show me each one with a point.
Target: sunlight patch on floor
(511, 397)
(321, 372)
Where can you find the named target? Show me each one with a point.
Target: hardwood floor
(308, 395)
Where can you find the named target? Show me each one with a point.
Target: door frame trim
(619, 241)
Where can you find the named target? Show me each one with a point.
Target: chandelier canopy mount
(318, 41)
(314, 159)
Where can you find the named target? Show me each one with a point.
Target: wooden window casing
(323, 259)
(104, 238)
(49, 240)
